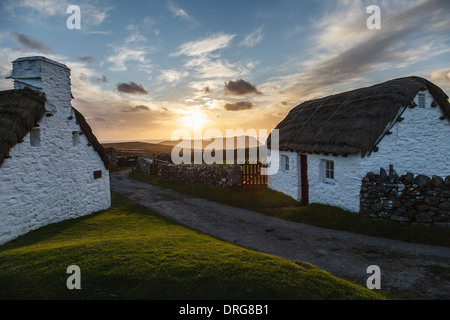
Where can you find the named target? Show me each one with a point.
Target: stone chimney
(47, 76)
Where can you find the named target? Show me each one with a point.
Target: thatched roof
(21, 110)
(355, 121)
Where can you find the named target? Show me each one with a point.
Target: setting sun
(194, 119)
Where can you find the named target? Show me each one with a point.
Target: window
(35, 138)
(421, 100)
(75, 138)
(285, 162)
(327, 168)
(97, 174)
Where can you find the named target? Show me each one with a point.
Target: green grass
(130, 252)
(279, 205)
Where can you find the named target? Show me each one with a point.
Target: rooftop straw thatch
(352, 122)
(21, 110)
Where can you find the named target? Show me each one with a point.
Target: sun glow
(194, 119)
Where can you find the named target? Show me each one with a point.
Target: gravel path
(412, 270)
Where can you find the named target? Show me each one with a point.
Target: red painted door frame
(304, 179)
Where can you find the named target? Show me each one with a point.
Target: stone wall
(212, 175)
(418, 198)
(145, 164)
(112, 158)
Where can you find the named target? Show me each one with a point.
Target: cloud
(238, 106)
(172, 76)
(344, 49)
(178, 12)
(135, 37)
(205, 63)
(93, 12)
(240, 88)
(87, 59)
(83, 77)
(95, 79)
(30, 43)
(443, 75)
(206, 45)
(100, 119)
(137, 109)
(252, 38)
(123, 54)
(102, 78)
(104, 33)
(131, 88)
(132, 48)
(206, 89)
(205, 67)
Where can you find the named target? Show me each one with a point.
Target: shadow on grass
(57, 228)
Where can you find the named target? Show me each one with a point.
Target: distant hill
(248, 141)
(138, 148)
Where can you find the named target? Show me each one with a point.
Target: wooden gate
(252, 177)
(156, 165)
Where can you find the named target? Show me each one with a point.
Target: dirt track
(411, 270)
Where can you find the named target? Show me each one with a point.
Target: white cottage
(52, 167)
(328, 146)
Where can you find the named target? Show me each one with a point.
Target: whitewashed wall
(341, 193)
(344, 191)
(419, 144)
(287, 181)
(52, 182)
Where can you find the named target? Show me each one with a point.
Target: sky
(142, 69)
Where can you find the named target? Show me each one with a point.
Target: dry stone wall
(145, 164)
(211, 175)
(418, 198)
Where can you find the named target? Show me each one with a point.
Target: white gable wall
(419, 144)
(52, 182)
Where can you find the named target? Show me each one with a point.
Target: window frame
(285, 162)
(97, 174)
(75, 138)
(421, 97)
(35, 137)
(328, 171)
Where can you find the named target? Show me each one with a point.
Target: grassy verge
(279, 205)
(130, 252)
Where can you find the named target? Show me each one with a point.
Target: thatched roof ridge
(91, 137)
(20, 111)
(352, 122)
